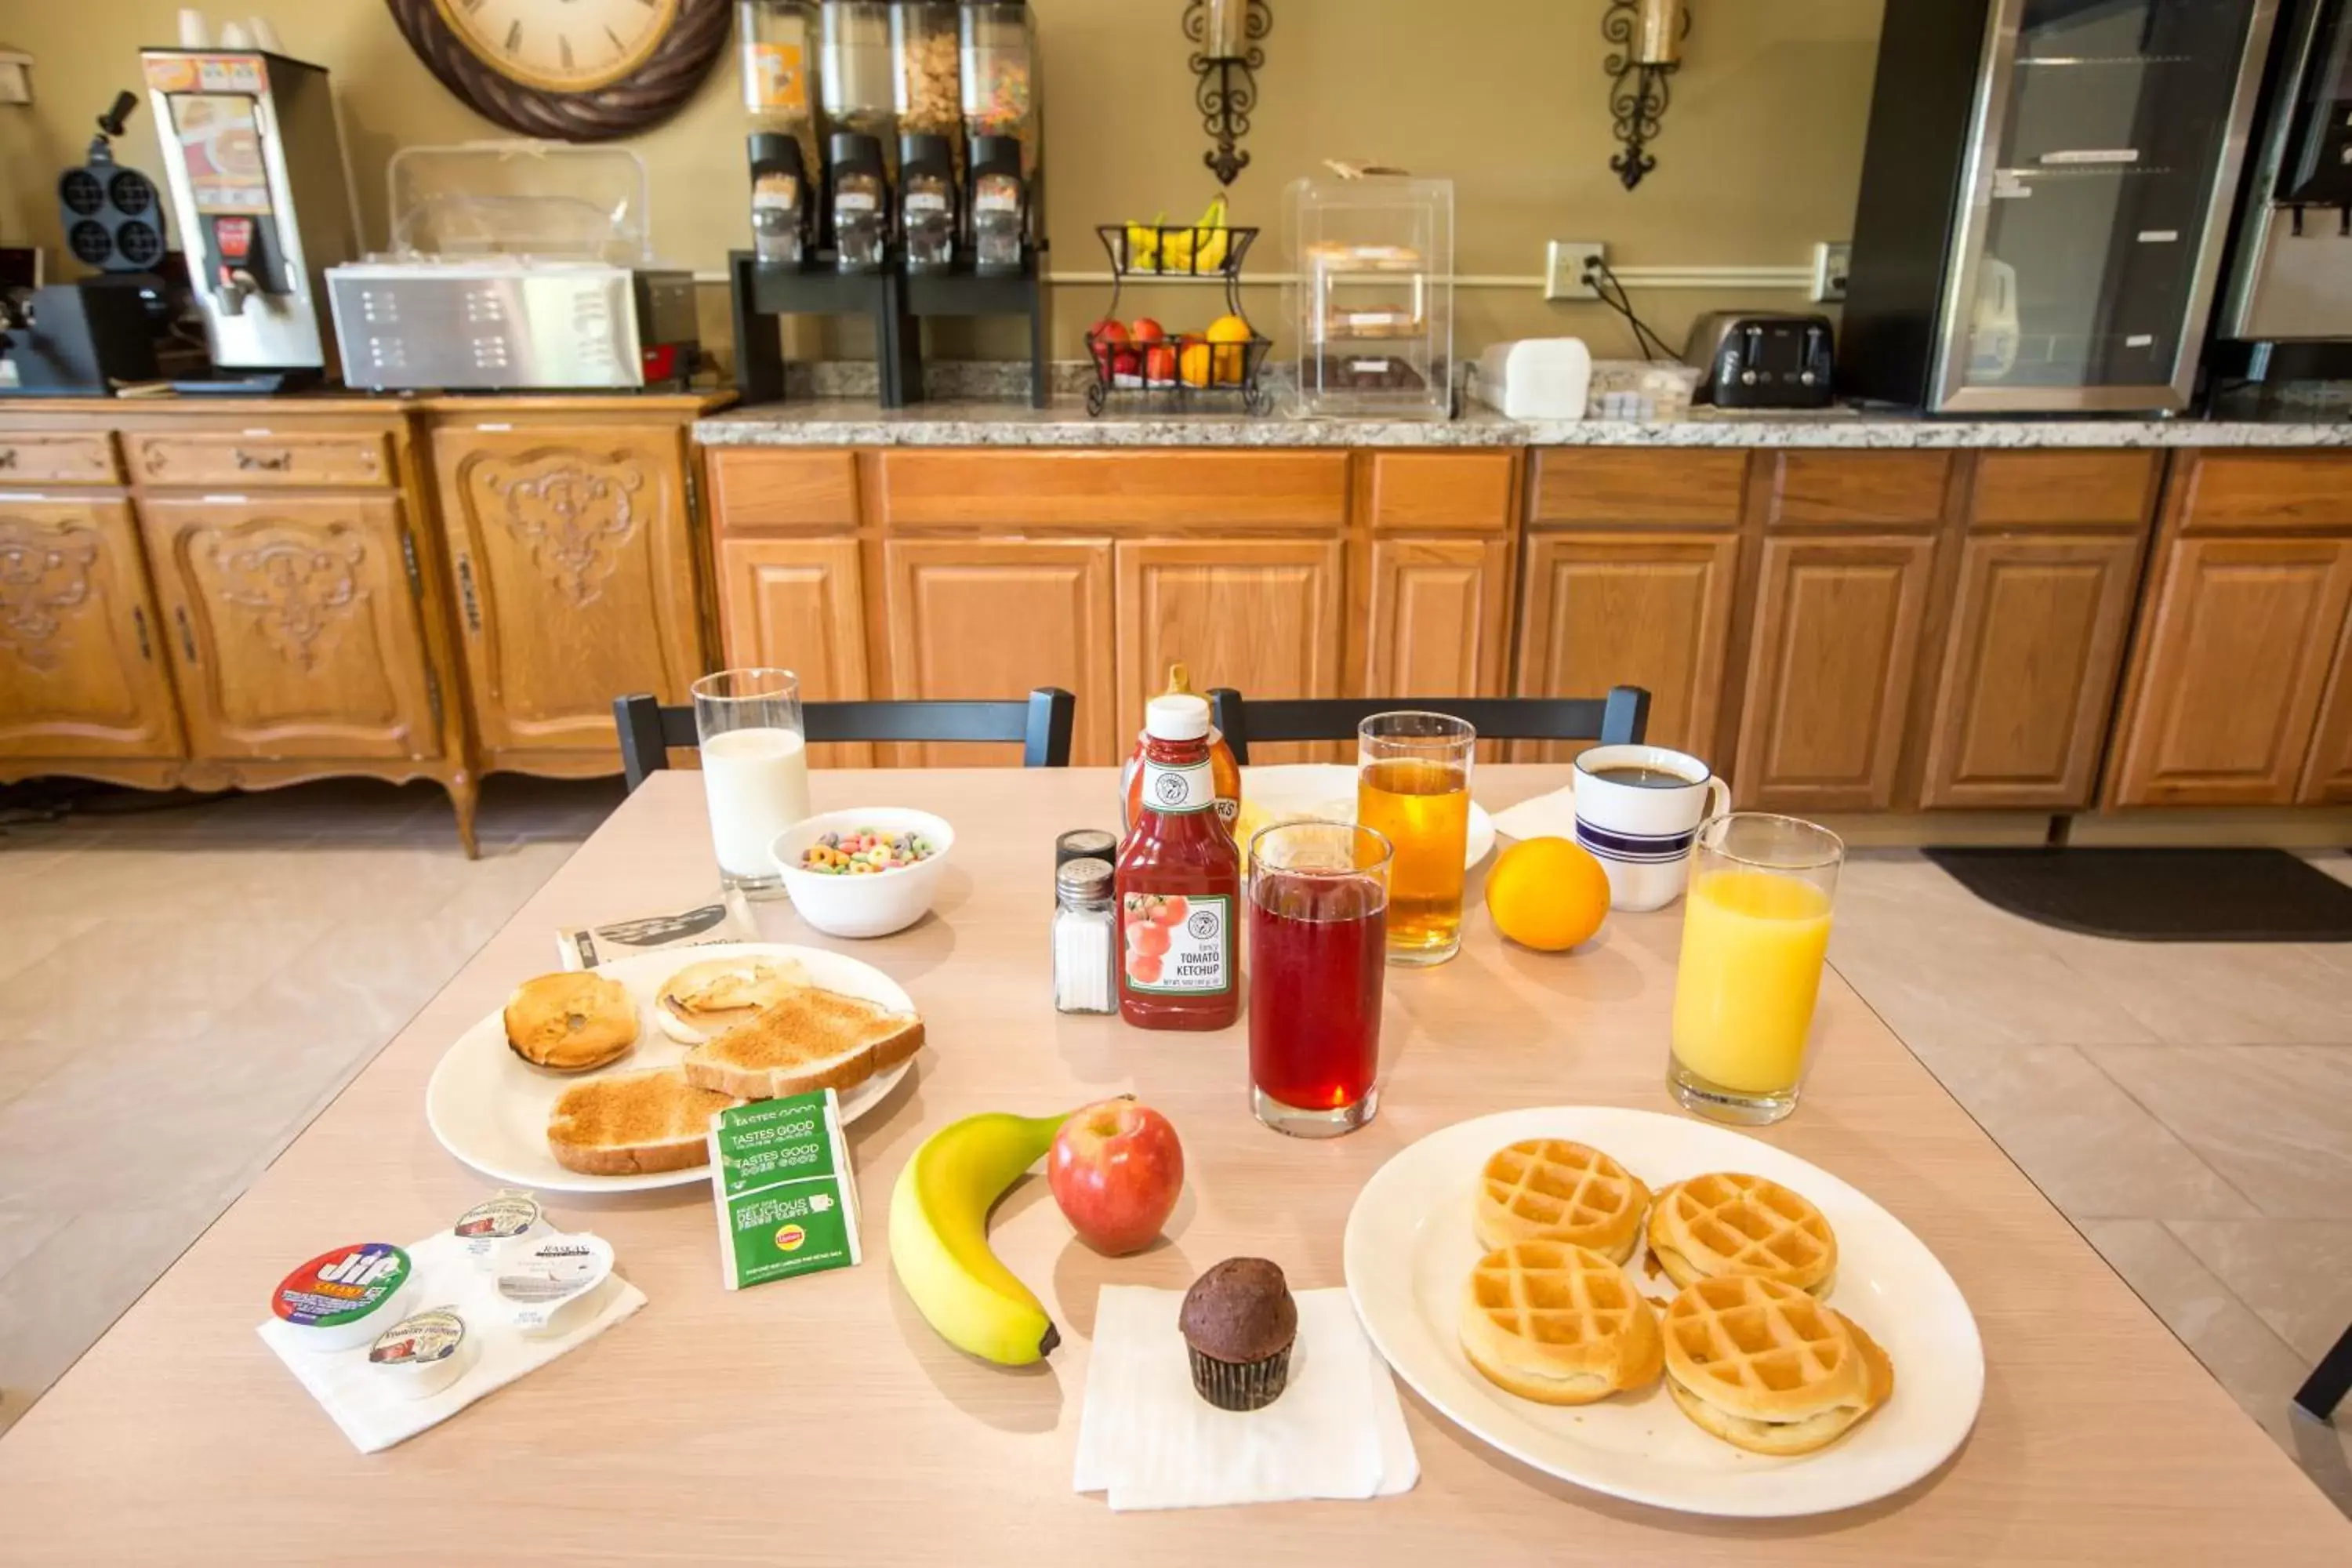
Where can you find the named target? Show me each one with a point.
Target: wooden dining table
(821, 1419)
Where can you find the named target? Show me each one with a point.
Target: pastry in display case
(1372, 305)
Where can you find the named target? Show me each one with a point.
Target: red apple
(1125, 363)
(1160, 365)
(1148, 331)
(1115, 1169)
(1103, 337)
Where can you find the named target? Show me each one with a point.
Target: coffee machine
(262, 197)
(88, 337)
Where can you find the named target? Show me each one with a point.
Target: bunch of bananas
(1155, 248)
(939, 1235)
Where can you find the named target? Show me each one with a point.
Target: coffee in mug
(1637, 810)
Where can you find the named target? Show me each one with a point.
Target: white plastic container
(547, 1284)
(342, 1299)
(423, 1353)
(1536, 378)
(498, 1222)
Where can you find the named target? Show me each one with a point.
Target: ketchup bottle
(1179, 883)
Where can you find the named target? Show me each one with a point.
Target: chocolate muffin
(1239, 1321)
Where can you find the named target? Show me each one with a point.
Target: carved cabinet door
(573, 554)
(294, 625)
(81, 662)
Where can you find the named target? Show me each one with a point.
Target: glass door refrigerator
(2046, 194)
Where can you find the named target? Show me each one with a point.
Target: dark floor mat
(2161, 895)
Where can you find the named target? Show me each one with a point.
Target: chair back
(1622, 718)
(1041, 724)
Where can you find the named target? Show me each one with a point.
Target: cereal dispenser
(778, 56)
(999, 74)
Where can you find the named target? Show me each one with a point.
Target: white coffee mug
(1642, 833)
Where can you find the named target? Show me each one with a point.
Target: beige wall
(1759, 156)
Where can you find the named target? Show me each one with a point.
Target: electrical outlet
(1565, 264)
(1831, 264)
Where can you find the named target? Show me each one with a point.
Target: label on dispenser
(853, 202)
(775, 77)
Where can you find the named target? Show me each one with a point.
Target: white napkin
(1549, 815)
(375, 1417)
(1149, 1441)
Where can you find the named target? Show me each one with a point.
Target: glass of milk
(755, 770)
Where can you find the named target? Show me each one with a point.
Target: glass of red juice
(1319, 901)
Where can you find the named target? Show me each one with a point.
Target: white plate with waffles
(1411, 1245)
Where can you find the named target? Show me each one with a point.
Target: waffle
(1768, 1368)
(1724, 1223)
(1548, 1189)
(1558, 1324)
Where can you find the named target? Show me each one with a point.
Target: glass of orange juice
(1756, 932)
(1412, 788)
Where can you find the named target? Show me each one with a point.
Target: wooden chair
(1041, 724)
(1622, 718)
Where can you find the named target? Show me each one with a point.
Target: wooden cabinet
(2328, 776)
(799, 605)
(58, 457)
(2029, 675)
(1260, 615)
(1652, 610)
(294, 627)
(2240, 637)
(1835, 645)
(573, 553)
(995, 618)
(1439, 608)
(81, 672)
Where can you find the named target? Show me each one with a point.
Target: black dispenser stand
(760, 290)
(895, 301)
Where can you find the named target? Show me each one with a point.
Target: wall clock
(577, 70)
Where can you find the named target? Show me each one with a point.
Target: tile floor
(224, 915)
(2188, 1107)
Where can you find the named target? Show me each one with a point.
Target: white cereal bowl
(864, 906)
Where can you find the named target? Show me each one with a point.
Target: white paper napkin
(374, 1417)
(1549, 815)
(1149, 1441)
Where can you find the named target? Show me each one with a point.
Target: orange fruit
(1547, 893)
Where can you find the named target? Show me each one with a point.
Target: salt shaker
(1086, 935)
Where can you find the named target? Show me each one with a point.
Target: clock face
(561, 46)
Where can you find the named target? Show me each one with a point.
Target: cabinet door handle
(270, 462)
(466, 594)
(7, 457)
(139, 625)
(187, 637)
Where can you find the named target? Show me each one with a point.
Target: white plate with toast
(1278, 792)
(489, 1107)
(1410, 1248)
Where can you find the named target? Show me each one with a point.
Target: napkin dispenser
(1536, 378)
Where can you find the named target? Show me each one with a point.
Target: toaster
(1761, 359)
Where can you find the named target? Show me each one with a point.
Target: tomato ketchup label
(1178, 944)
(1179, 790)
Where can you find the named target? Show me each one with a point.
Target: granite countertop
(861, 422)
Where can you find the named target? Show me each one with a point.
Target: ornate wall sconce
(1649, 34)
(1226, 57)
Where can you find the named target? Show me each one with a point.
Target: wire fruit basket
(1183, 370)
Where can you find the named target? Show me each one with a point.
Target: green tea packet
(786, 1198)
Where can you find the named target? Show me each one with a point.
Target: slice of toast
(806, 1040)
(630, 1123)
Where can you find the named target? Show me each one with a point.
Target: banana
(1209, 250)
(939, 1235)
